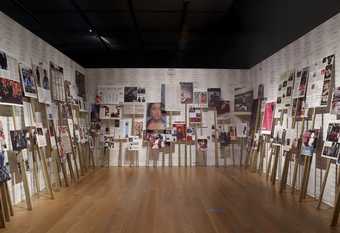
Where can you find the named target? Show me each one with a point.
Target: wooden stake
(323, 186)
(185, 144)
(285, 172)
(216, 139)
(233, 153)
(276, 160)
(45, 173)
(4, 202)
(179, 154)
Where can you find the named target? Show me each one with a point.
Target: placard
(27, 80)
(80, 82)
(43, 84)
(135, 143)
(243, 100)
(109, 112)
(57, 82)
(186, 92)
(155, 117)
(110, 94)
(267, 122)
(41, 135)
(332, 143)
(19, 139)
(134, 94)
(309, 143)
(200, 98)
(214, 96)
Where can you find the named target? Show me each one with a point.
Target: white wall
(318, 43)
(152, 79)
(28, 48)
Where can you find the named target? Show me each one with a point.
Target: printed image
(186, 93)
(333, 132)
(190, 136)
(267, 122)
(232, 132)
(109, 142)
(223, 107)
(95, 112)
(109, 112)
(138, 128)
(57, 82)
(310, 138)
(195, 116)
(134, 143)
(2, 137)
(202, 144)
(260, 91)
(43, 84)
(201, 98)
(19, 139)
(10, 92)
(179, 131)
(67, 88)
(331, 150)
(214, 96)
(134, 94)
(3, 61)
(28, 82)
(303, 82)
(80, 82)
(155, 116)
(65, 143)
(242, 130)
(327, 73)
(243, 102)
(335, 106)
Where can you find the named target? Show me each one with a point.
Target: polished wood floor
(171, 200)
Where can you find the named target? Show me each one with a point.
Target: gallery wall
(306, 51)
(21, 44)
(151, 79)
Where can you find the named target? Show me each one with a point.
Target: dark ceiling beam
(91, 26)
(102, 11)
(135, 24)
(20, 5)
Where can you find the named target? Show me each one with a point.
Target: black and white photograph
(3, 61)
(19, 139)
(187, 89)
(27, 80)
(243, 101)
(109, 112)
(214, 97)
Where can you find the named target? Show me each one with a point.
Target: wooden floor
(171, 200)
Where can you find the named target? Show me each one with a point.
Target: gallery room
(169, 116)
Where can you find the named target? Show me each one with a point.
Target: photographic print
(3, 61)
(57, 82)
(242, 130)
(333, 132)
(190, 136)
(301, 81)
(335, 106)
(214, 96)
(27, 80)
(138, 128)
(201, 98)
(260, 91)
(95, 112)
(195, 116)
(41, 136)
(109, 141)
(186, 92)
(309, 143)
(110, 94)
(43, 84)
(68, 94)
(170, 97)
(155, 116)
(109, 112)
(267, 122)
(202, 144)
(179, 131)
(65, 143)
(331, 150)
(2, 137)
(134, 143)
(80, 82)
(243, 101)
(223, 107)
(134, 94)
(327, 72)
(19, 139)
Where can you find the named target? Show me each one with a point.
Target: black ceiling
(170, 33)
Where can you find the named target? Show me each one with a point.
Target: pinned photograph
(201, 98)
(331, 150)
(195, 116)
(223, 107)
(335, 106)
(202, 144)
(41, 136)
(27, 80)
(179, 131)
(109, 142)
(267, 122)
(214, 96)
(3, 61)
(243, 101)
(80, 82)
(134, 143)
(19, 139)
(43, 84)
(187, 92)
(333, 132)
(155, 117)
(109, 112)
(309, 143)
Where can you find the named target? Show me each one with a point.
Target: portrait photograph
(27, 80)
(186, 92)
(155, 117)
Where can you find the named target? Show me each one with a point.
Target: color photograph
(19, 139)
(155, 116)
(109, 112)
(187, 89)
(27, 80)
(214, 96)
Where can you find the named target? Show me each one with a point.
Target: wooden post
(9, 201)
(120, 154)
(179, 154)
(323, 186)
(23, 169)
(270, 160)
(2, 219)
(45, 173)
(285, 172)
(233, 153)
(216, 139)
(185, 144)
(276, 160)
(4, 202)
(336, 210)
(307, 166)
(242, 145)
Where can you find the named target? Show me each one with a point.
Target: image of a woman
(155, 117)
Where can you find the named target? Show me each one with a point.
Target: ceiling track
(91, 26)
(26, 10)
(135, 24)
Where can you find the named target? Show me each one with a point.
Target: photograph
(186, 92)
(260, 91)
(214, 96)
(267, 121)
(10, 92)
(109, 142)
(57, 82)
(65, 142)
(135, 143)
(202, 144)
(223, 107)
(27, 80)
(333, 132)
(179, 131)
(95, 112)
(232, 132)
(131, 94)
(138, 127)
(40, 136)
(80, 82)
(109, 112)
(3, 145)
(190, 136)
(195, 115)
(3, 61)
(201, 98)
(309, 142)
(43, 84)
(335, 106)
(155, 116)
(243, 102)
(242, 130)
(19, 139)
(331, 150)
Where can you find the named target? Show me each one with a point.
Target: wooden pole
(285, 172)
(270, 161)
(323, 186)
(179, 154)
(185, 144)
(23, 169)
(216, 139)
(276, 159)
(4, 202)
(45, 173)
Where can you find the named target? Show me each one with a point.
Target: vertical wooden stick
(324, 182)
